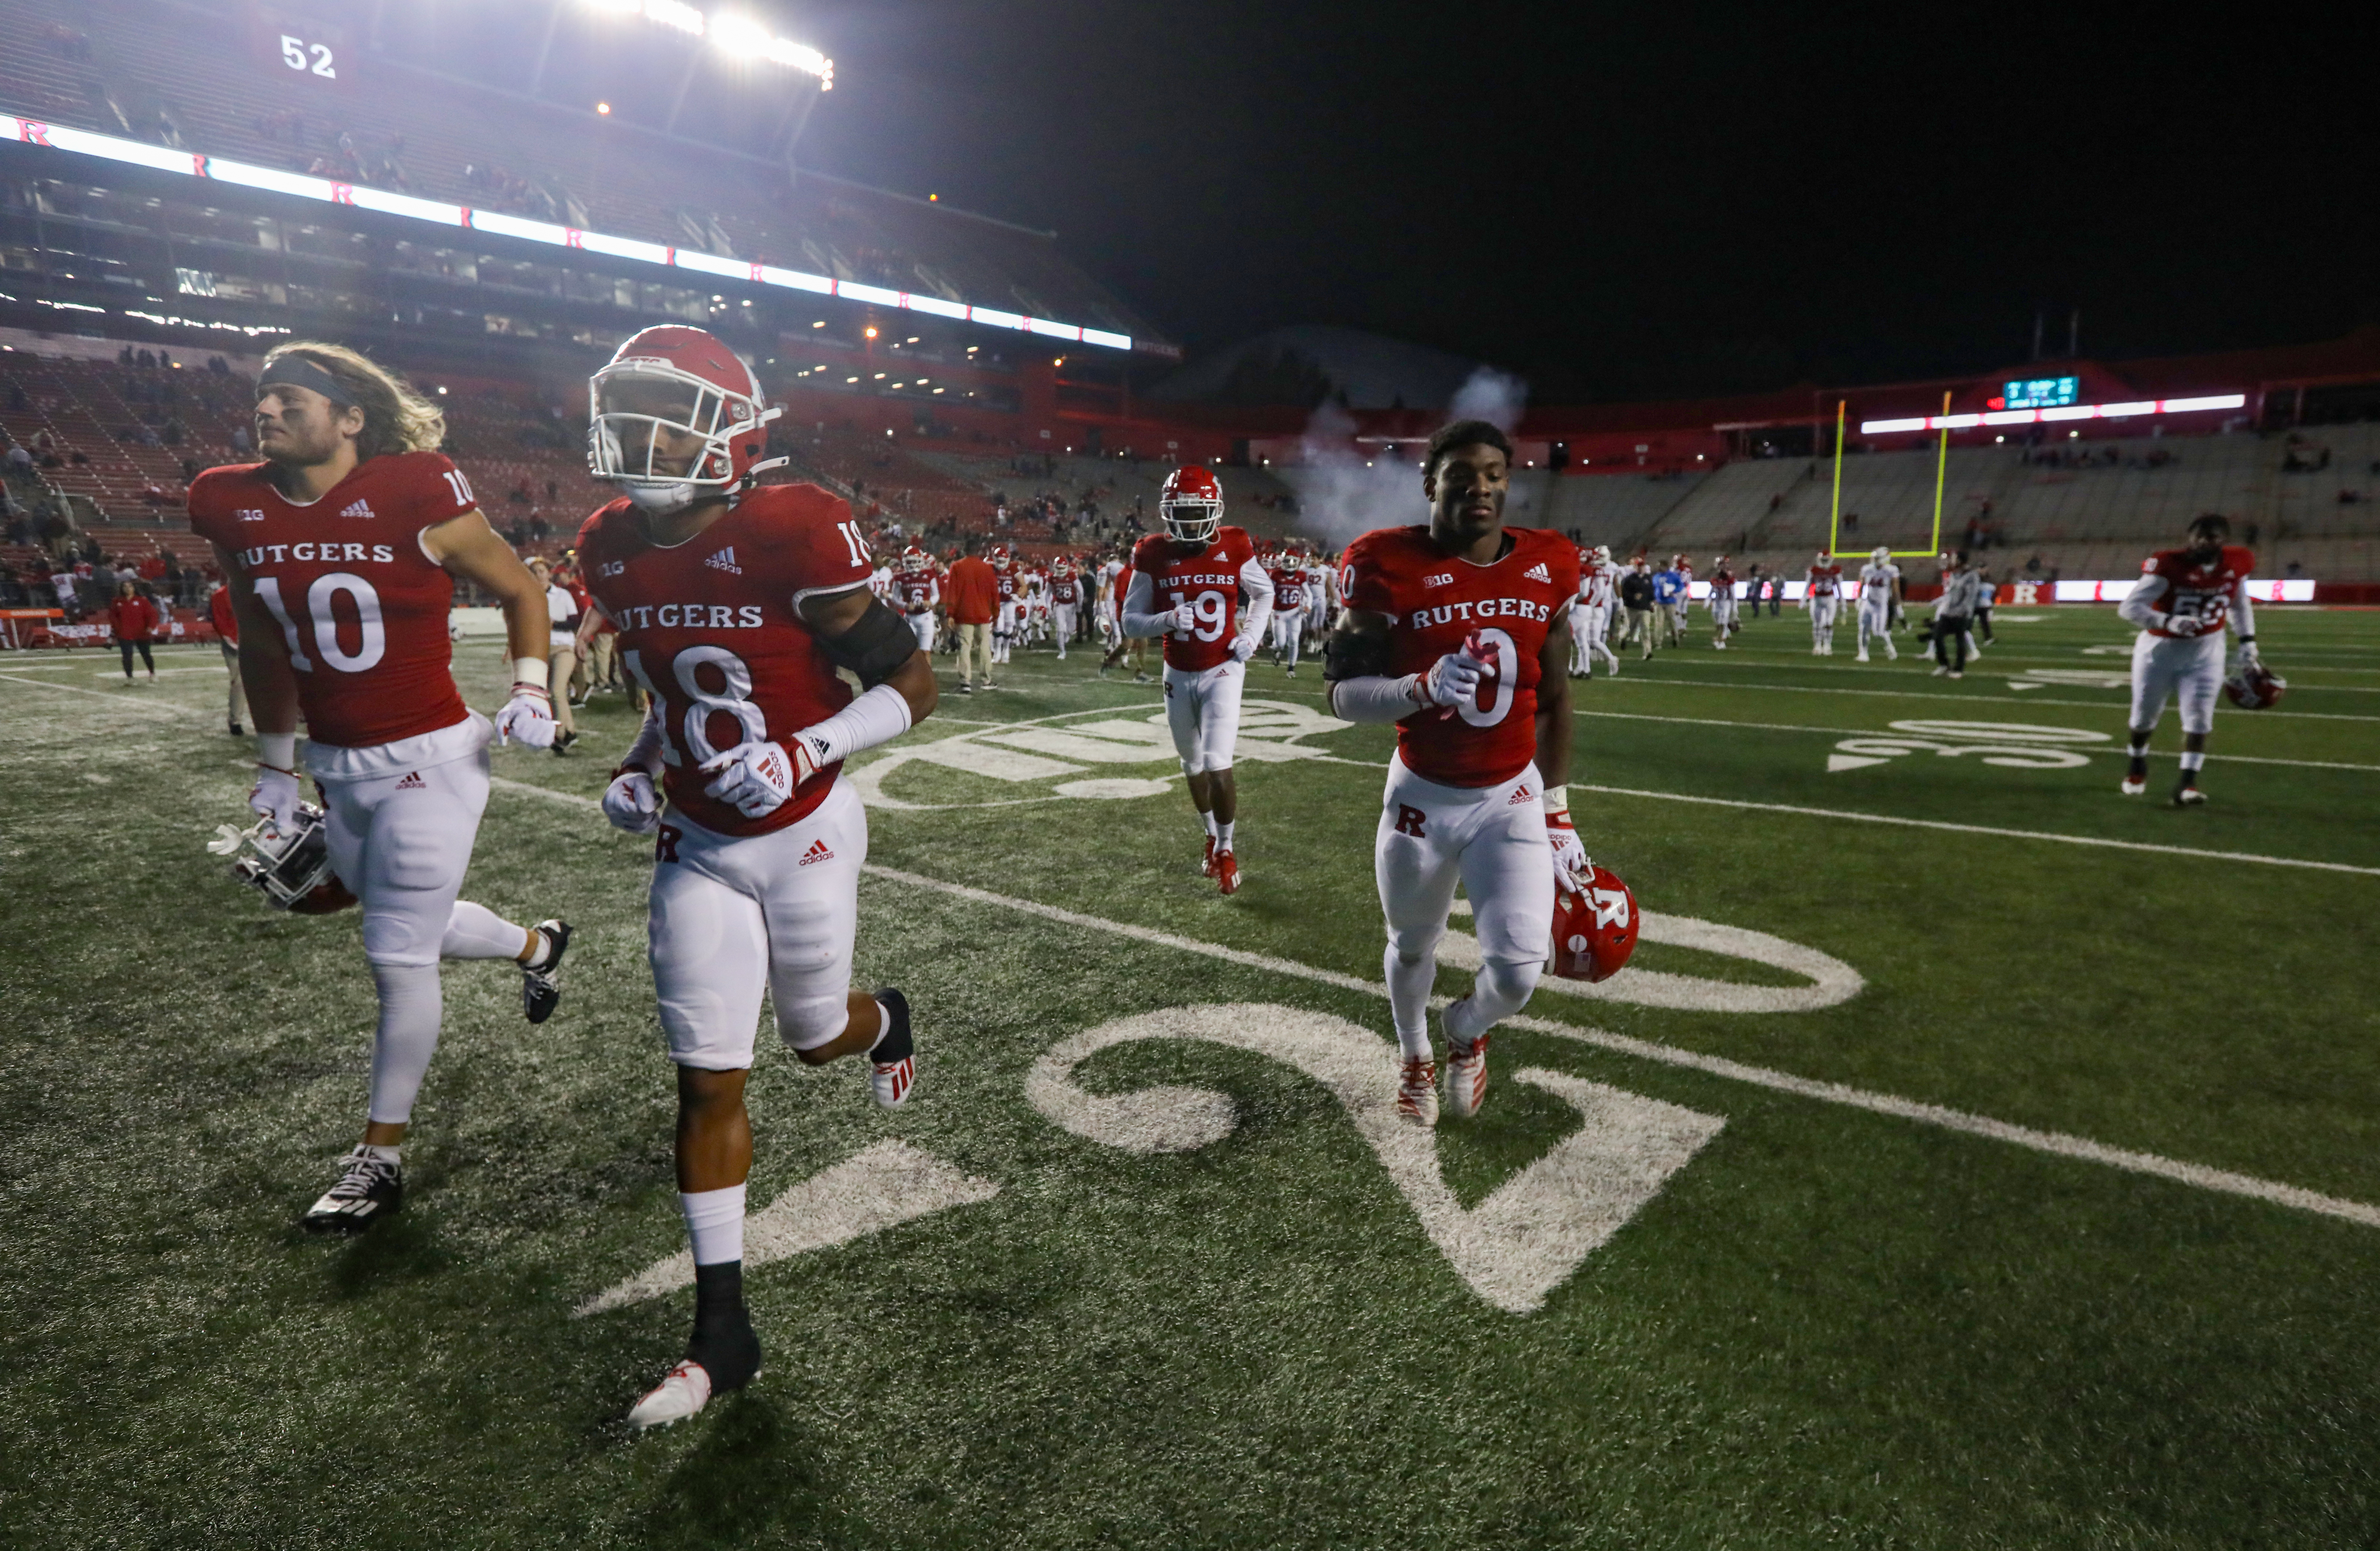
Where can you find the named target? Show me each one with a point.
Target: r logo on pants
(665, 841)
(1409, 821)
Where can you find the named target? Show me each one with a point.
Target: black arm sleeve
(875, 646)
(1346, 655)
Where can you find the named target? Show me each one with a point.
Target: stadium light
(739, 35)
(2064, 412)
(306, 185)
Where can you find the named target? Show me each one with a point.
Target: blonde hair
(397, 420)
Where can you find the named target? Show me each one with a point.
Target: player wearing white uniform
(1187, 586)
(2182, 602)
(1454, 633)
(1879, 595)
(340, 549)
(1822, 594)
(757, 861)
(1590, 617)
(1321, 586)
(1110, 607)
(1722, 602)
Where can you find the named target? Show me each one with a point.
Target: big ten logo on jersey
(250, 514)
(1079, 755)
(1435, 578)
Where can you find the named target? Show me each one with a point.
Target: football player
(1065, 600)
(1137, 645)
(2182, 603)
(1590, 616)
(1879, 599)
(737, 606)
(1822, 592)
(917, 595)
(1188, 584)
(1722, 602)
(1008, 595)
(341, 548)
(1289, 615)
(1458, 632)
(1670, 603)
(1678, 618)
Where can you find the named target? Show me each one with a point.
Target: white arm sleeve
(1138, 620)
(2243, 616)
(877, 717)
(644, 754)
(2139, 608)
(1257, 585)
(1376, 697)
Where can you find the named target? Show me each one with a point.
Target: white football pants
(922, 626)
(1876, 619)
(1722, 613)
(1062, 617)
(1004, 629)
(735, 916)
(1202, 710)
(1288, 631)
(1822, 624)
(2167, 666)
(1492, 839)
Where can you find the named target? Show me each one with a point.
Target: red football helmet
(1594, 929)
(685, 382)
(915, 561)
(1191, 505)
(2255, 688)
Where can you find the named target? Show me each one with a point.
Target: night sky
(1654, 199)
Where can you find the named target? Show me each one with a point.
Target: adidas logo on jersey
(356, 509)
(1537, 573)
(412, 782)
(817, 852)
(725, 561)
(1520, 794)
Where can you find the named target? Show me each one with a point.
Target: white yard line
(1977, 829)
(2118, 707)
(2057, 1143)
(2115, 751)
(119, 697)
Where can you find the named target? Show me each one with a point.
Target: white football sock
(410, 1011)
(1499, 991)
(1409, 987)
(715, 1222)
(473, 932)
(382, 1153)
(2190, 761)
(1207, 819)
(1223, 836)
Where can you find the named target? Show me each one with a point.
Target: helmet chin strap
(658, 499)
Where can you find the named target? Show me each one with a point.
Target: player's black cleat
(541, 981)
(369, 1190)
(893, 1069)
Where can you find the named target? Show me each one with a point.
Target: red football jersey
(914, 595)
(1065, 589)
(1826, 581)
(1288, 588)
(710, 627)
(362, 608)
(1206, 576)
(2204, 591)
(1433, 602)
(1004, 584)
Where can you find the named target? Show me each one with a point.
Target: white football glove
(528, 716)
(1185, 618)
(1571, 867)
(2248, 653)
(2184, 625)
(631, 804)
(755, 779)
(275, 796)
(1453, 679)
(1242, 647)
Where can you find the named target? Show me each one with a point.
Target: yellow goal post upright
(1941, 469)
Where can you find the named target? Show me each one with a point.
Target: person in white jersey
(1880, 597)
(1590, 614)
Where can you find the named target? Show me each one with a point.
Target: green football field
(1971, 1156)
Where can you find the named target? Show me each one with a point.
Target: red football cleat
(1227, 872)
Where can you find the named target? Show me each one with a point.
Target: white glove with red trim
(1242, 647)
(631, 804)
(1572, 867)
(755, 779)
(2184, 625)
(1455, 679)
(528, 716)
(1185, 618)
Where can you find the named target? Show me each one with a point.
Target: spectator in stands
(20, 460)
(134, 620)
(562, 614)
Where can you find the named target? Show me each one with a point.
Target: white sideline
(2117, 706)
(2057, 1143)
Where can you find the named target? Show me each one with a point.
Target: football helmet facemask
(291, 868)
(1191, 505)
(677, 395)
(1594, 929)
